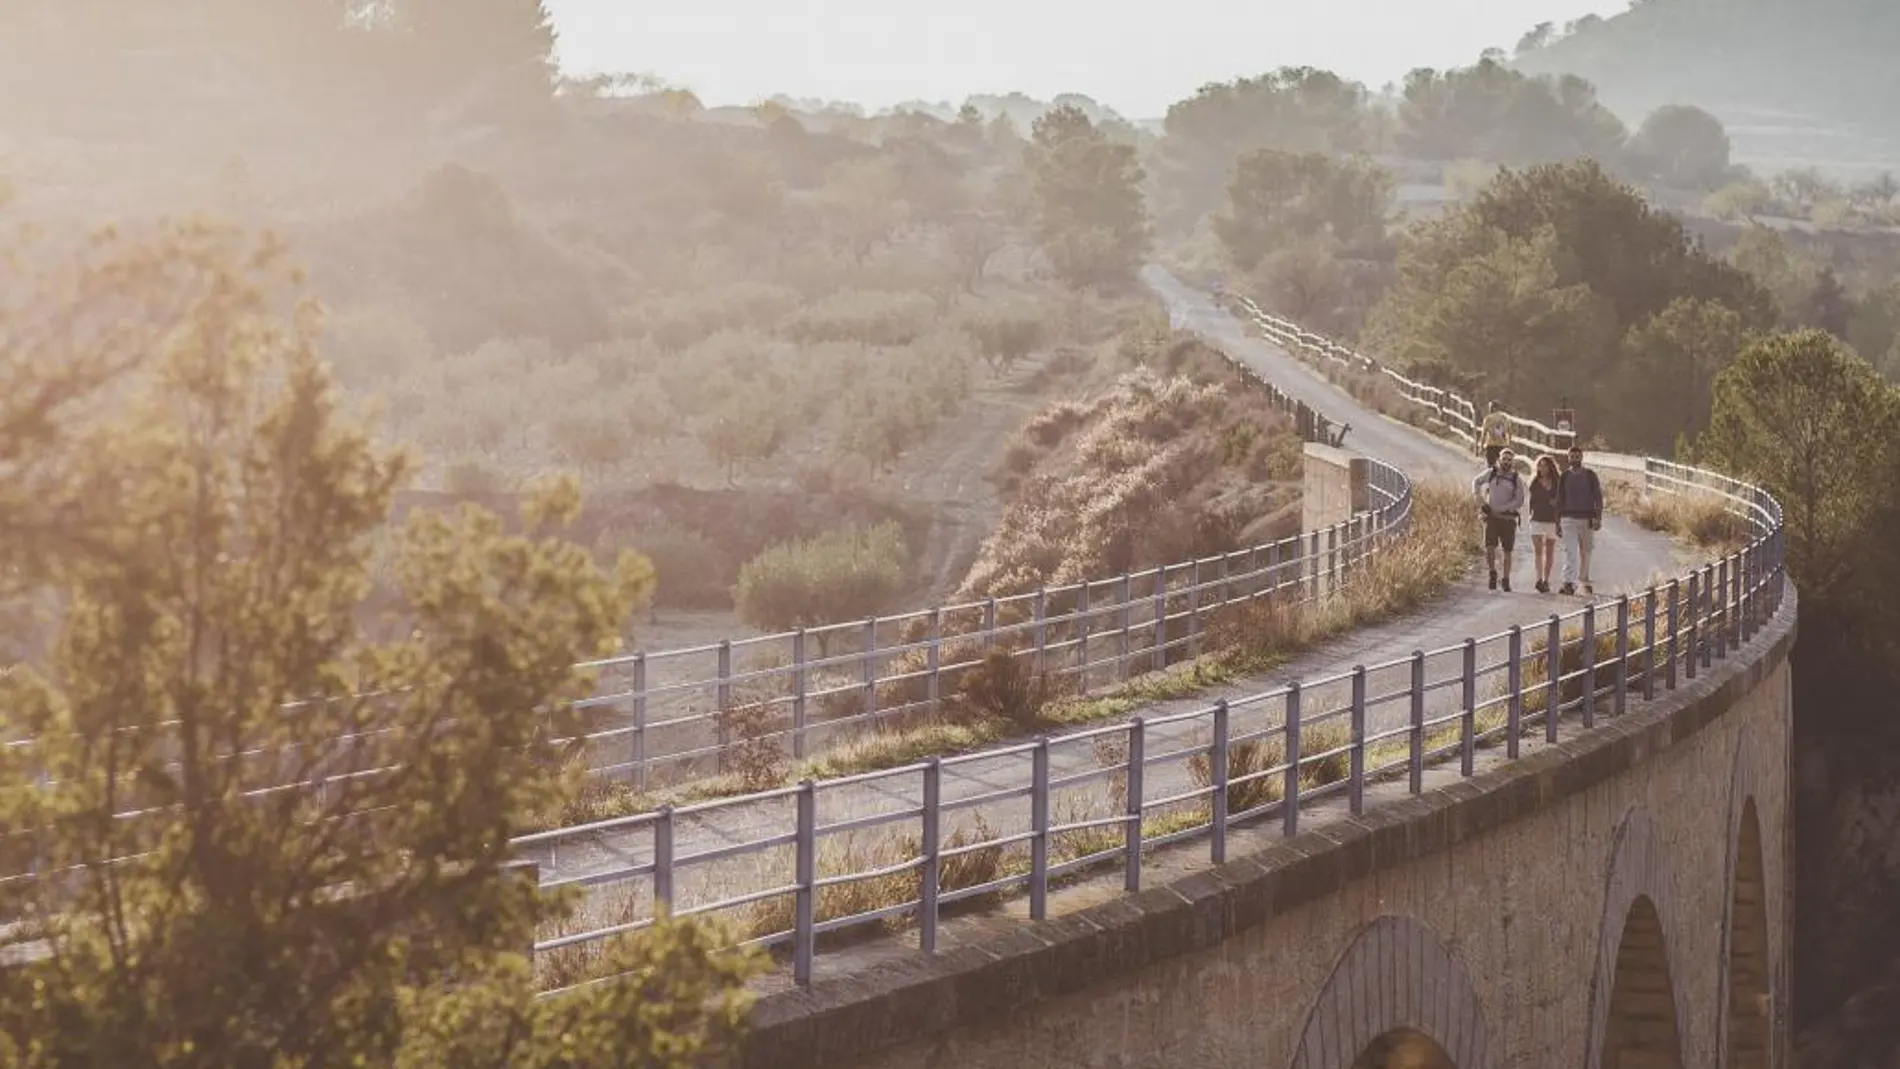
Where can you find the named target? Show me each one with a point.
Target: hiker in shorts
(1500, 493)
(1579, 518)
(1496, 434)
(1543, 508)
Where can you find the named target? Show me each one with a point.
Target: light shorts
(1544, 530)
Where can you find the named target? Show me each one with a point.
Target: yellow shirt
(1497, 429)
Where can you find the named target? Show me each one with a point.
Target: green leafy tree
(1295, 109)
(1738, 201)
(1814, 425)
(1828, 306)
(1504, 312)
(844, 575)
(1491, 112)
(1683, 146)
(1090, 217)
(748, 427)
(1787, 276)
(1276, 196)
(1670, 362)
(302, 885)
(1304, 279)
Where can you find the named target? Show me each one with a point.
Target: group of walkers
(1565, 505)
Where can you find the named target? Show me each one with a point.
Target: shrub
(1245, 759)
(474, 479)
(749, 745)
(1004, 686)
(692, 571)
(841, 575)
(1006, 336)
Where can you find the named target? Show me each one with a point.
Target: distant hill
(1793, 79)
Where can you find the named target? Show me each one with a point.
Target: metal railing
(798, 866)
(1451, 413)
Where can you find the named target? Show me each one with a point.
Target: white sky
(1134, 57)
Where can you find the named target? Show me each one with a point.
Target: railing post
(1468, 722)
(1514, 679)
(528, 871)
(1122, 644)
(1290, 795)
(723, 687)
(801, 684)
(1735, 599)
(933, 659)
(1217, 769)
(1226, 570)
(1357, 790)
(1553, 676)
(1039, 825)
(1134, 804)
(1158, 657)
(1621, 701)
(869, 666)
(1039, 632)
(1694, 607)
(1083, 624)
(989, 624)
(1722, 615)
(1416, 692)
(805, 898)
(663, 860)
(1315, 563)
(640, 721)
(1331, 585)
(1649, 645)
(1671, 613)
(1750, 604)
(931, 878)
(1587, 662)
(1708, 615)
(1273, 571)
(1194, 608)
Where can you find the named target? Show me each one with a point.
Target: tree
(1090, 217)
(748, 426)
(1788, 278)
(1504, 312)
(1304, 280)
(199, 518)
(843, 575)
(1491, 112)
(862, 204)
(1828, 307)
(1006, 336)
(1670, 362)
(1276, 196)
(1810, 422)
(1683, 146)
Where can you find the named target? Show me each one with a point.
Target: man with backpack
(1579, 517)
(1500, 492)
(1495, 433)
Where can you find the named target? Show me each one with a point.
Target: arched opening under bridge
(1403, 1048)
(1750, 1036)
(1642, 1031)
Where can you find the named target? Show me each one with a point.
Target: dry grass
(1701, 521)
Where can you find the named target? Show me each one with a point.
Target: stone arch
(1635, 1000)
(1745, 1032)
(1396, 976)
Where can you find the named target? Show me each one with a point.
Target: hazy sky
(1134, 57)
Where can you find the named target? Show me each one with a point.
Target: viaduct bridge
(1564, 840)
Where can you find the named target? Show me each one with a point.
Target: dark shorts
(1491, 454)
(1500, 531)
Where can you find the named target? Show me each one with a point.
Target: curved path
(1627, 559)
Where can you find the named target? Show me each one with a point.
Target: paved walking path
(1627, 559)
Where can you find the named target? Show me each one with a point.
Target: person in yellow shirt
(1496, 434)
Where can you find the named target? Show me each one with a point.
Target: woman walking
(1543, 507)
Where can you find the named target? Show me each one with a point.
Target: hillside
(1806, 81)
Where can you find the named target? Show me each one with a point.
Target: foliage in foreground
(192, 520)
